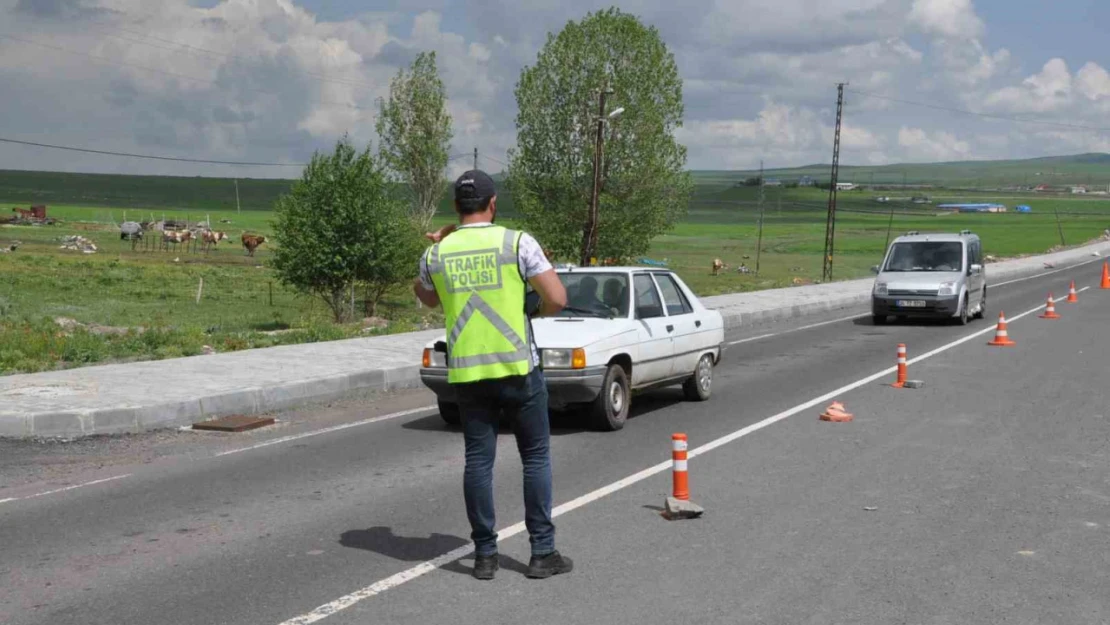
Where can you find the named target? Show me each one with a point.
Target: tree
(644, 186)
(339, 226)
(415, 133)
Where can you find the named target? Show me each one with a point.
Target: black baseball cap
(474, 185)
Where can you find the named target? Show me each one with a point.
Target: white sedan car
(624, 330)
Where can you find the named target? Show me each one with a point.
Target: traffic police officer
(477, 271)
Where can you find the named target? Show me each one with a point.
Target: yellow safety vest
(478, 281)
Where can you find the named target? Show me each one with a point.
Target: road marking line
(753, 338)
(67, 488)
(408, 575)
(334, 428)
(1047, 273)
(861, 316)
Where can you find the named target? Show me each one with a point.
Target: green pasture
(243, 306)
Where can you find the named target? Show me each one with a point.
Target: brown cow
(252, 241)
(718, 265)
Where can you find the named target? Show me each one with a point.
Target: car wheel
(962, 319)
(982, 312)
(610, 410)
(699, 386)
(450, 413)
(878, 320)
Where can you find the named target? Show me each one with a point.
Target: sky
(272, 81)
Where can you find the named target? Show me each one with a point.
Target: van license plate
(914, 303)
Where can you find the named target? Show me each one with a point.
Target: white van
(931, 275)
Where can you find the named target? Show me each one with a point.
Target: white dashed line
(67, 488)
(336, 428)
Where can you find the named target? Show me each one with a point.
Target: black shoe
(485, 566)
(552, 564)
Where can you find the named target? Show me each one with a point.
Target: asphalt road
(981, 498)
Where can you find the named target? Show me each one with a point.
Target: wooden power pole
(830, 220)
(589, 236)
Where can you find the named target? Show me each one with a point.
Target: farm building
(974, 208)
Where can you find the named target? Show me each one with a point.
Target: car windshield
(926, 256)
(595, 294)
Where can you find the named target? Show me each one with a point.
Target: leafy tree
(415, 132)
(339, 226)
(644, 185)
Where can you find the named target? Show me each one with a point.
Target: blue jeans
(522, 400)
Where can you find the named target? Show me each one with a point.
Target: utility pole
(759, 241)
(830, 221)
(475, 157)
(238, 209)
(589, 236)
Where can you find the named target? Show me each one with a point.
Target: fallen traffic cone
(1105, 276)
(1072, 295)
(901, 381)
(1001, 336)
(1050, 309)
(836, 413)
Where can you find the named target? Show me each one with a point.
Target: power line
(949, 109)
(155, 70)
(495, 160)
(148, 156)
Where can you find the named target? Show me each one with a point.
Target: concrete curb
(391, 365)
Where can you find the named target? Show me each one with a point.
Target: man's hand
(438, 235)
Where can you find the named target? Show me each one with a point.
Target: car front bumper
(935, 306)
(564, 386)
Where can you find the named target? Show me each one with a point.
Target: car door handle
(698, 323)
(670, 328)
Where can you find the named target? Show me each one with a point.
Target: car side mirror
(976, 269)
(875, 269)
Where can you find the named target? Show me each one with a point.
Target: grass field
(119, 289)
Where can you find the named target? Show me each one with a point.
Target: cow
(175, 237)
(252, 241)
(130, 230)
(718, 265)
(210, 238)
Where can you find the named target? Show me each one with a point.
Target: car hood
(919, 280)
(577, 331)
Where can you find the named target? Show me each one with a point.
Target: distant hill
(44, 187)
(124, 191)
(1085, 169)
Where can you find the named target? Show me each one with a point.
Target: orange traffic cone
(901, 381)
(1050, 309)
(836, 413)
(1001, 336)
(1105, 276)
(1072, 295)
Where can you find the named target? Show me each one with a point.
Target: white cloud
(1093, 82)
(277, 82)
(952, 19)
(919, 145)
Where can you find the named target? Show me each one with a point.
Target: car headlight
(433, 358)
(564, 358)
(947, 288)
(880, 288)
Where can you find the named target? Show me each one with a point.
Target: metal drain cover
(234, 423)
